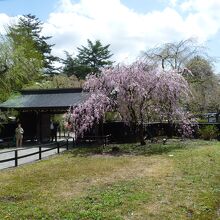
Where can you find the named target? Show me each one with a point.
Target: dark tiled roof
(46, 98)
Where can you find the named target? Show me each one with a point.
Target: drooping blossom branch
(137, 93)
(85, 115)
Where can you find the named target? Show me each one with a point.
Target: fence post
(74, 143)
(39, 152)
(58, 147)
(67, 144)
(16, 158)
(105, 140)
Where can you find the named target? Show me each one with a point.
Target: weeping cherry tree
(137, 93)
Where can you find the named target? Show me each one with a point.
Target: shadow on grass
(131, 148)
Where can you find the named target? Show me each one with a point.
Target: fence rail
(104, 139)
(63, 143)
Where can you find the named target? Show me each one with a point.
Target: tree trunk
(170, 130)
(134, 129)
(141, 134)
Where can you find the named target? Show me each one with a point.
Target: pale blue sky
(128, 25)
(42, 8)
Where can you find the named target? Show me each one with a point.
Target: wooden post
(67, 144)
(74, 144)
(105, 138)
(16, 158)
(58, 147)
(40, 127)
(39, 153)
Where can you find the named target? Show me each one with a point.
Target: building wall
(28, 122)
(36, 125)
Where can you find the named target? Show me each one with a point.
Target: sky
(129, 26)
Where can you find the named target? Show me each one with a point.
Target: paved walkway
(10, 153)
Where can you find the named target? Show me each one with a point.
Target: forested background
(27, 62)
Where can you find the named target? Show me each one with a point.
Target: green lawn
(179, 180)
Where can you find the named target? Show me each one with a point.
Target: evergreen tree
(89, 59)
(30, 27)
(72, 66)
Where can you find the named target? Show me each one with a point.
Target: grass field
(179, 180)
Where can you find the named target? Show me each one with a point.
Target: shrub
(209, 132)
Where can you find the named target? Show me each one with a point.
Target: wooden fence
(50, 147)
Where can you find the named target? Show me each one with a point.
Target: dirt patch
(139, 167)
(13, 198)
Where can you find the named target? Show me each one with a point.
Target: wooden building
(36, 107)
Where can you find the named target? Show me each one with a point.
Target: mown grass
(179, 180)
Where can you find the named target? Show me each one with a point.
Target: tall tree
(31, 27)
(20, 64)
(72, 66)
(204, 84)
(173, 56)
(90, 59)
(137, 94)
(201, 68)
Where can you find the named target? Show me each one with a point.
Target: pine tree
(90, 59)
(31, 27)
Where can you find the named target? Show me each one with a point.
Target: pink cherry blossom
(137, 93)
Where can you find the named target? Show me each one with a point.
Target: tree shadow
(134, 149)
(85, 150)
